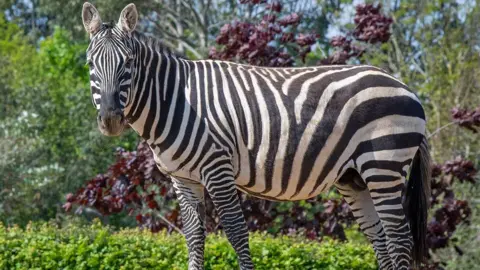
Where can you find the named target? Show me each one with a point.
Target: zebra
(281, 134)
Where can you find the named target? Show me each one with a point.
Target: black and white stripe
(276, 133)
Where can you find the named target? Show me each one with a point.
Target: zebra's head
(110, 57)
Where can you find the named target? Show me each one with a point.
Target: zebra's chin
(112, 127)
(112, 132)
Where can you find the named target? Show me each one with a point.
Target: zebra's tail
(417, 202)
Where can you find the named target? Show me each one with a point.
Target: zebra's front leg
(192, 208)
(223, 192)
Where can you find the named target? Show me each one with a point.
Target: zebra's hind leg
(385, 181)
(356, 194)
(192, 208)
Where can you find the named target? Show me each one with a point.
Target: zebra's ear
(128, 18)
(91, 19)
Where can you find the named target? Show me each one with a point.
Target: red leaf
(275, 6)
(291, 19)
(152, 204)
(305, 40)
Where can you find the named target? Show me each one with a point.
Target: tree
(46, 132)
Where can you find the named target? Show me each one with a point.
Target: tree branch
(169, 223)
(440, 129)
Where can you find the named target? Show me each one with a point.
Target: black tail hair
(417, 202)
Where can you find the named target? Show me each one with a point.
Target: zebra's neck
(158, 91)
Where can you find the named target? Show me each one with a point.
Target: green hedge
(42, 246)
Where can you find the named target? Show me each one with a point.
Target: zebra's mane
(155, 44)
(150, 41)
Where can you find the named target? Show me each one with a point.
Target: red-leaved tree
(268, 42)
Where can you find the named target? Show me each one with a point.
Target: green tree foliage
(46, 132)
(15, 52)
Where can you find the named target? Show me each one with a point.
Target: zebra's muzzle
(111, 124)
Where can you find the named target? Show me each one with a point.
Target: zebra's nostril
(101, 120)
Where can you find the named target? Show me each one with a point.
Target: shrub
(44, 246)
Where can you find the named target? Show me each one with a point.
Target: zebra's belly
(258, 191)
(268, 182)
(303, 196)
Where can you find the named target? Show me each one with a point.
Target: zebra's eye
(90, 63)
(128, 63)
